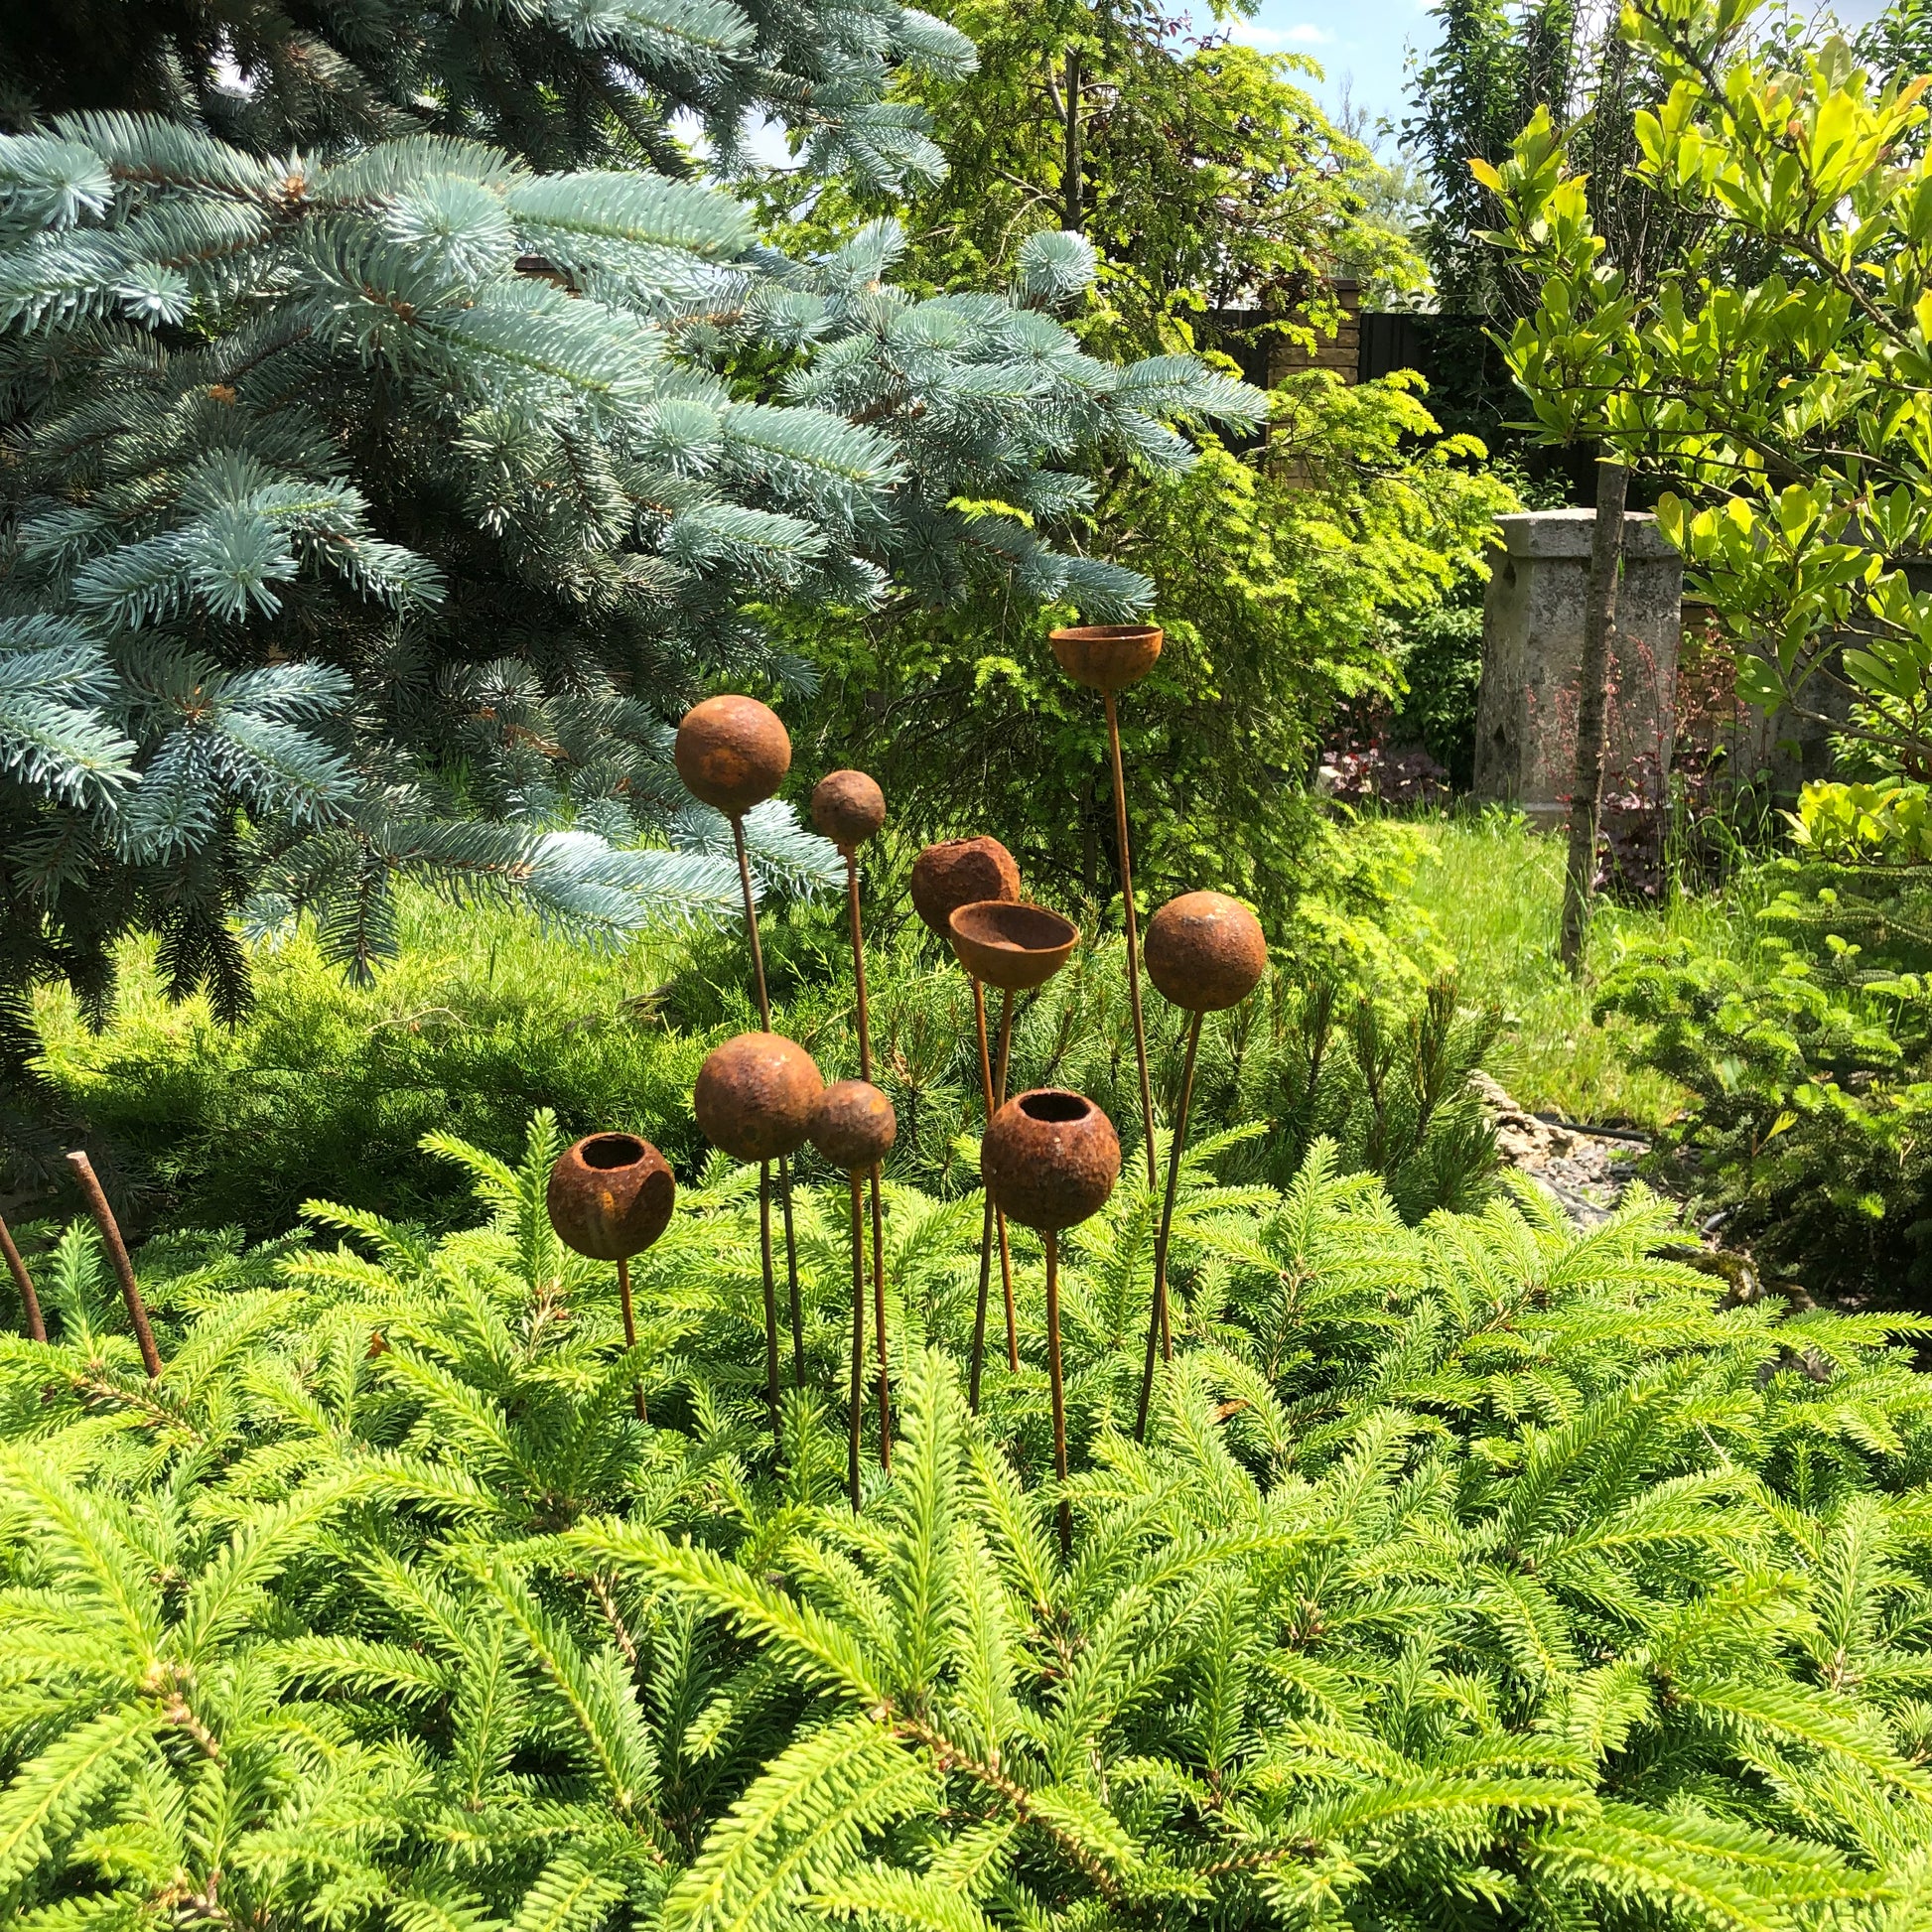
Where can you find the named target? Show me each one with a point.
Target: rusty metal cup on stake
(1050, 1160)
(848, 807)
(945, 877)
(755, 1097)
(610, 1196)
(1014, 947)
(1205, 953)
(854, 1127)
(1108, 657)
(110, 1238)
(732, 753)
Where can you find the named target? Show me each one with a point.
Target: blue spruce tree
(399, 434)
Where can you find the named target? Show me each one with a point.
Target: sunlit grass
(1495, 891)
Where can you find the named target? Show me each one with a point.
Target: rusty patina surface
(756, 1095)
(611, 1195)
(854, 1125)
(848, 808)
(1050, 1159)
(1206, 951)
(731, 753)
(958, 872)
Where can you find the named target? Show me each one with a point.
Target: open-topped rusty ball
(1206, 951)
(756, 1095)
(854, 1125)
(1014, 947)
(848, 808)
(956, 873)
(1050, 1159)
(1107, 656)
(611, 1195)
(731, 753)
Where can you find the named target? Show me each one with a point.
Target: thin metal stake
(36, 1322)
(1132, 936)
(1157, 1320)
(858, 1390)
(878, 1213)
(110, 1236)
(765, 1178)
(630, 1330)
(1059, 1394)
(992, 1218)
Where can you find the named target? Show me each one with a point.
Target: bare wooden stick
(110, 1236)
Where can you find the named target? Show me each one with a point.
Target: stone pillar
(1533, 654)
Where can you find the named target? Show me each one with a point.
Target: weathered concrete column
(1533, 652)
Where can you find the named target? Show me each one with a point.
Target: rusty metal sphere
(854, 1125)
(848, 808)
(958, 872)
(1206, 951)
(1050, 1159)
(756, 1095)
(1014, 947)
(731, 753)
(1107, 656)
(611, 1195)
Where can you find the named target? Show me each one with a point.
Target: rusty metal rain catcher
(1050, 1160)
(732, 753)
(753, 1098)
(1108, 657)
(110, 1238)
(848, 807)
(609, 1198)
(1205, 953)
(854, 1127)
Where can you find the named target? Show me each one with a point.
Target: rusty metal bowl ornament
(1107, 656)
(756, 1095)
(731, 753)
(1206, 951)
(1051, 1158)
(1013, 946)
(853, 1124)
(958, 872)
(611, 1195)
(848, 808)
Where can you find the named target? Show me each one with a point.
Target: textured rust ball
(848, 808)
(731, 753)
(1050, 1159)
(756, 1095)
(1206, 951)
(1107, 656)
(611, 1195)
(854, 1125)
(1014, 947)
(958, 872)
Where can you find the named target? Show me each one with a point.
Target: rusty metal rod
(858, 1390)
(630, 1330)
(992, 1218)
(1157, 1320)
(1132, 936)
(1000, 1220)
(30, 1301)
(878, 1213)
(1052, 1241)
(785, 1167)
(110, 1236)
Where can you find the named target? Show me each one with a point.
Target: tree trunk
(1599, 625)
(1073, 214)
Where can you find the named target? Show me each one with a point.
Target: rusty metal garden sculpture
(30, 1301)
(854, 1127)
(1205, 953)
(609, 1198)
(1050, 1160)
(110, 1239)
(754, 1099)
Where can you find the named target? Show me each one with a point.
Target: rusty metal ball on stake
(1205, 953)
(848, 808)
(609, 1198)
(957, 872)
(1051, 1158)
(854, 1127)
(753, 1098)
(732, 753)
